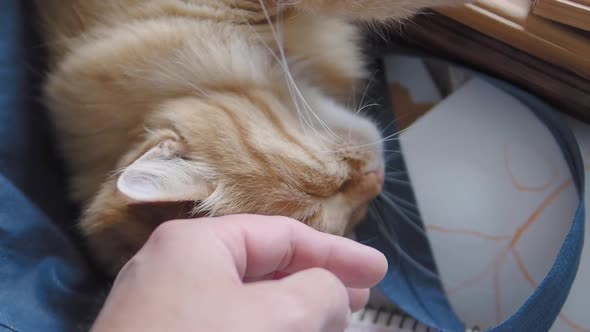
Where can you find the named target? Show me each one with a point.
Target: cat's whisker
(387, 200)
(303, 120)
(289, 75)
(277, 35)
(373, 27)
(309, 109)
(357, 113)
(391, 137)
(387, 167)
(169, 74)
(285, 66)
(390, 157)
(352, 102)
(412, 213)
(370, 212)
(365, 107)
(396, 173)
(277, 58)
(397, 181)
(387, 127)
(384, 140)
(365, 93)
(401, 201)
(368, 241)
(385, 232)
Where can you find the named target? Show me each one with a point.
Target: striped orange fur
(171, 108)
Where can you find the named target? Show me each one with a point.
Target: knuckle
(325, 296)
(332, 288)
(168, 233)
(296, 310)
(328, 280)
(131, 267)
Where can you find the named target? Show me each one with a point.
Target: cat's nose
(379, 175)
(367, 186)
(374, 183)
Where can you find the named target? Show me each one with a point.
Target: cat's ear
(163, 175)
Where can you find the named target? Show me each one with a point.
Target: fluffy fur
(170, 108)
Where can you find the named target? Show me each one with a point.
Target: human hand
(241, 273)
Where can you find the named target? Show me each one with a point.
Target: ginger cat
(171, 108)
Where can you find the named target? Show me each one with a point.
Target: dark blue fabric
(26, 153)
(412, 281)
(45, 284)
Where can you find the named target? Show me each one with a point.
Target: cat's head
(254, 151)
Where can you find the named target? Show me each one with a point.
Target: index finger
(263, 245)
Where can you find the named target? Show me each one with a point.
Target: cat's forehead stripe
(308, 179)
(279, 126)
(249, 148)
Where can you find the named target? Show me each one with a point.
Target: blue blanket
(45, 284)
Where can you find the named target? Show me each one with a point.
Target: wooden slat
(510, 21)
(575, 13)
